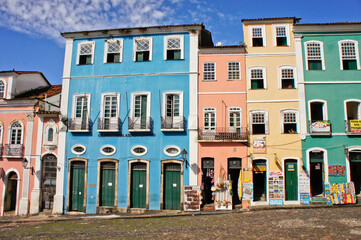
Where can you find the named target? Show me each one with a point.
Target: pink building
(29, 107)
(222, 138)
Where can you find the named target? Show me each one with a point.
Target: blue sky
(29, 29)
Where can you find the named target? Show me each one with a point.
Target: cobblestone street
(320, 223)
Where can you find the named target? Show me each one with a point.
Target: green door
(291, 180)
(172, 188)
(107, 184)
(139, 185)
(77, 186)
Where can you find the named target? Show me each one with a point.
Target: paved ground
(308, 223)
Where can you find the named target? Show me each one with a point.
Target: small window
(233, 71)
(107, 150)
(281, 36)
(78, 149)
(287, 78)
(289, 122)
(349, 55)
(209, 119)
(173, 47)
(85, 52)
(143, 49)
(314, 53)
(50, 134)
(257, 37)
(257, 78)
(258, 122)
(113, 51)
(16, 133)
(172, 151)
(209, 71)
(139, 150)
(2, 89)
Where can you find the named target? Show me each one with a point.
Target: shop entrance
(107, 184)
(355, 166)
(234, 169)
(77, 195)
(48, 181)
(259, 180)
(172, 186)
(207, 179)
(138, 185)
(291, 179)
(316, 173)
(11, 191)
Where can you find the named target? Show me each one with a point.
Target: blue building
(129, 111)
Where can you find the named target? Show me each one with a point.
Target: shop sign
(259, 145)
(247, 191)
(305, 198)
(321, 127)
(276, 187)
(247, 175)
(355, 126)
(192, 198)
(259, 168)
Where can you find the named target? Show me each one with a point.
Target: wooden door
(77, 186)
(172, 186)
(291, 180)
(107, 184)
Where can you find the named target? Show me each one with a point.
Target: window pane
(349, 64)
(314, 65)
(209, 71)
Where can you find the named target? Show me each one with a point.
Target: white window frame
(132, 104)
(75, 96)
(172, 154)
(166, 38)
(78, 153)
(263, 34)
(239, 71)
(264, 77)
(139, 154)
(345, 107)
(22, 132)
(180, 94)
(51, 124)
(356, 51)
(209, 110)
(109, 94)
(4, 93)
(265, 112)
(106, 45)
(78, 51)
(324, 109)
(294, 76)
(150, 39)
(215, 72)
(234, 110)
(321, 50)
(287, 28)
(105, 153)
(297, 119)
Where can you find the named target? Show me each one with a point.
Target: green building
(329, 77)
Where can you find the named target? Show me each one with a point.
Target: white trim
(287, 29)
(132, 75)
(282, 112)
(225, 54)
(75, 96)
(164, 105)
(264, 75)
(295, 83)
(356, 51)
(345, 107)
(181, 38)
(109, 94)
(150, 39)
(5, 182)
(109, 146)
(78, 153)
(324, 108)
(210, 110)
(132, 103)
(78, 52)
(270, 54)
(348, 166)
(215, 72)
(301, 87)
(263, 34)
(5, 89)
(139, 154)
(325, 161)
(273, 101)
(251, 112)
(239, 71)
(253, 203)
(51, 124)
(298, 179)
(205, 93)
(22, 131)
(172, 154)
(321, 50)
(106, 45)
(234, 110)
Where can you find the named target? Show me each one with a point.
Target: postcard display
(340, 193)
(276, 188)
(222, 195)
(247, 189)
(192, 198)
(304, 186)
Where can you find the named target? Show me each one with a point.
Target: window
(258, 36)
(142, 49)
(173, 47)
(318, 110)
(259, 122)
(139, 150)
(2, 89)
(81, 113)
(289, 118)
(349, 57)
(16, 133)
(113, 51)
(257, 80)
(85, 53)
(50, 134)
(107, 150)
(78, 149)
(233, 71)
(287, 77)
(235, 119)
(172, 151)
(281, 36)
(209, 71)
(209, 119)
(140, 111)
(172, 117)
(353, 109)
(314, 53)
(109, 117)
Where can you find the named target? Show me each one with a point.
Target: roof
(223, 49)
(40, 92)
(329, 23)
(295, 20)
(327, 28)
(52, 91)
(25, 72)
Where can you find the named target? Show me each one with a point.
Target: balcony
(320, 127)
(172, 124)
(353, 127)
(79, 125)
(137, 124)
(108, 124)
(223, 135)
(14, 150)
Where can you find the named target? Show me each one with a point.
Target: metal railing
(79, 125)
(353, 127)
(139, 124)
(171, 123)
(320, 127)
(108, 124)
(14, 150)
(223, 134)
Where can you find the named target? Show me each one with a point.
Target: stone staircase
(318, 200)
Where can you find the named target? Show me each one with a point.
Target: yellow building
(273, 110)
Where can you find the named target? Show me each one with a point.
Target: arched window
(50, 134)
(16, 133)
(2, 89)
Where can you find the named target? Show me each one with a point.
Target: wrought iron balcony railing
(223, 134)
(14, 150)
(108, 124)
(79, 125)
(353, 127)
(172, 123)
(320, 127)
(138, 124)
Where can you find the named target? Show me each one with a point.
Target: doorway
(172, 186)
(291, 179)
(48, 181)
(207, 180)
(355, 166)
(77, 183)
(11, 192)
(234, 169)
(138, 187)
(316, 173)
(107, 184)
(259, 181)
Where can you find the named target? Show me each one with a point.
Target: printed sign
(247, 175)
(305, 198)
(336, 170)
(259, 145)
(355, 126)
(276, 187)
(321, 127)
(192, 198)
(304, 184)
(247, 191)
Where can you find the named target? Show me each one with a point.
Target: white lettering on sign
(140, 185)
(110, 184)
(174, 185)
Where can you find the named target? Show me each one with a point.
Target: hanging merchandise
(240, 185)
(341, 193)
(222, 196)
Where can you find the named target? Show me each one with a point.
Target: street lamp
(184, 156)
(25, 166)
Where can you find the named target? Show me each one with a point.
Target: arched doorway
(355, 169)
(48, 181)
(11, 192)
(259, 180)
(172, 184)
(234, 170)
(138, 184)
(317, 173)
(291, 179)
